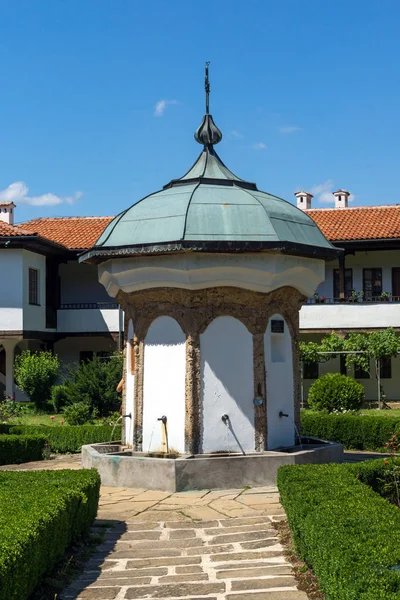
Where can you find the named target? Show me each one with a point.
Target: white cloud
(161, 105)
(290, 129)
(259, 146)
(236, 134)
(17, 192)
(323, 192)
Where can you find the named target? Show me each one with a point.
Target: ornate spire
(208, 133)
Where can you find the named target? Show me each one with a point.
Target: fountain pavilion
(210, 273)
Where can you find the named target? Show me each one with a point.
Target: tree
(35, 374)
(94, 382)
(361, 349)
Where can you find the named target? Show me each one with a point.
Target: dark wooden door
(396, 282)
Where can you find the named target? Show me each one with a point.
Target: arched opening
(227, 384)
(164, 385)
(279, 382)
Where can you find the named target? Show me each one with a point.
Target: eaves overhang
(99, 255)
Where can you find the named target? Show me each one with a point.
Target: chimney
(303, 200)
(7, 212)
(341, 198)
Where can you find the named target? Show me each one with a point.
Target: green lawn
(45, 419)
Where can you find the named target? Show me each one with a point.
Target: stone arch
(227, 380)
(280, 389)
(164, 368)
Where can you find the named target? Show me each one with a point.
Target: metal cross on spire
(207, 88)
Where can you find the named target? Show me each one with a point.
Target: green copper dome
(210, 209)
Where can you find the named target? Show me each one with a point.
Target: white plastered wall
(129, 387)
(227, 384)
(164, 385)
(280, 385)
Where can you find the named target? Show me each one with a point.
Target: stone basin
(119, 466)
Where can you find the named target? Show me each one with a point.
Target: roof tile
(75, 233)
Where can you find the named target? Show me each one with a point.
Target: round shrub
(78, 413)
(59, 397)
(335, 392)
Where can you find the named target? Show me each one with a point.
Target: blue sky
(306, 93)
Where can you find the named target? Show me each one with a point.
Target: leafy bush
(78, 413)
(343, 529)
(59, 397)
(35, 374)
(355, 432)
(63, 438)
(94, 382)
(335, 392)
(15, 449)
(41, 514)
(9, 409)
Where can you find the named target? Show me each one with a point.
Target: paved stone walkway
(196, 545)
(199, 545)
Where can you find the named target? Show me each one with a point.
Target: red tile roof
(358, 223)
(337, 224)
(75, 233)
(7, 230)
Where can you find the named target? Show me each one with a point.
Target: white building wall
(280, 385)
(69, 348)
(129, 387)
(34, 318)
(79, 283)
(11, 291)
(88, 320)
(226, 351)
(164, 385)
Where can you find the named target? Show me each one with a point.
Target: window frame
(33, 286)
(336, 283)
(373, 295)
(308, 372)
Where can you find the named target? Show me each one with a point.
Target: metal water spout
(225, 419)
(282, 414)
(164, 434)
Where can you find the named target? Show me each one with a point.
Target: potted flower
(318, 299)
(355, 296)
(385, 296)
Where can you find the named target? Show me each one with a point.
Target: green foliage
(16, 449)
(9, 409)
(344, 530)
(355, 432)
(64, 438)
(35, 374)
(41, 514)
(94, 382)
(59, 397)
(78, 413)
(374, 345)
(335, 392)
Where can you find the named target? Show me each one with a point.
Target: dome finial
(207, 88)
(208, 133)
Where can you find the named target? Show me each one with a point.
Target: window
(33, 286)
(311, 370)
(348, 282)
(360, 373)
(386, 368)
(372, 283)
(343, 366)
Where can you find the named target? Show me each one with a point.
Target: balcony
(88, 317)
(325, 314)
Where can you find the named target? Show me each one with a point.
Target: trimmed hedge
(15, 449)
(354, 432)
(41, 514)
(343, 529)
(5, 428)
(66, 438)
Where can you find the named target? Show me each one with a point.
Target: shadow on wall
(226, 350)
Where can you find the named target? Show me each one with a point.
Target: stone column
(192, 394)
(138, 395)
(9, 347)
(260, 392)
